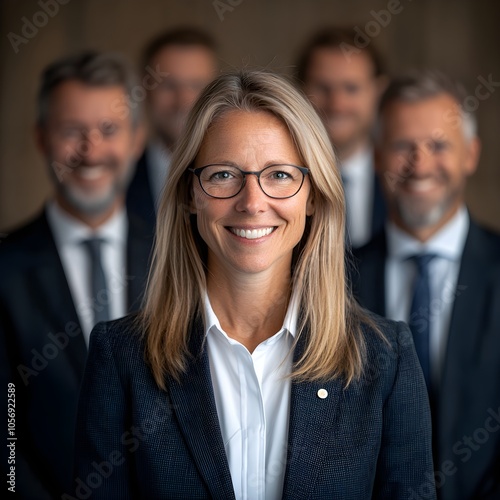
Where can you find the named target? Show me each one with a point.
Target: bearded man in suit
(432, 267)
(82, 260)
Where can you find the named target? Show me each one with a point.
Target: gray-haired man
(431, 267)
(82, 260)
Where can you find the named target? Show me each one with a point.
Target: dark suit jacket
(468, 400)
(379, 211)
(140, 200)
(134, 440)
(43, 351)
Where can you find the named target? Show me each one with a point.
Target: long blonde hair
(335, 345)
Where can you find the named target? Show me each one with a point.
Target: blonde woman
(251, 373)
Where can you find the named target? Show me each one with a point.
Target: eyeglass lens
(277, 181)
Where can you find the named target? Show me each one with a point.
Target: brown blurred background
(460, 37)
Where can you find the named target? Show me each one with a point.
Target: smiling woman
(246, 231)
(249, 340)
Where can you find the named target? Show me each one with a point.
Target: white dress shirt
(253, 405)
(159, 158)
(69, 233)
(447, 245)
(357, 172)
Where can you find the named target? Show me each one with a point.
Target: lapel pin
(322, 393)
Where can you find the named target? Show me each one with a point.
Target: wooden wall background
(461, 37)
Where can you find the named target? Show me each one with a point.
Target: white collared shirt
(69, 233)
(448, 245)
(359, 188)
(158, 163)
(253, 405)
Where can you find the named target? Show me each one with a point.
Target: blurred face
(344, 91)
(189, 69)
(250, 233)
(424, 160)
(90, 149)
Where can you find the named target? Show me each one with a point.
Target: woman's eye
(280, 175)
(220, 176)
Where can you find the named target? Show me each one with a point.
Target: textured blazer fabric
(372, 440)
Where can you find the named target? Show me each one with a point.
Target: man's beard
(416, 217)
(94, 204)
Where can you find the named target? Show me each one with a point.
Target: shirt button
(322, 393)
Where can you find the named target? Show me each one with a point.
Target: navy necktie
(420, 317)
(99, 290)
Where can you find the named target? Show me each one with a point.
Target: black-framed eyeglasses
(223, 181)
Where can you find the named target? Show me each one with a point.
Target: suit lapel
(52, 290)
(194, 404)
(139, 240)
(311, 427)
(465, 332)
(139, 196)
(371, 261)
(379, 209)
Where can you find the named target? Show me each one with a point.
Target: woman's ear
(310, 204)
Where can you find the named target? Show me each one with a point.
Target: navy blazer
(467, 411)
(43, 352)
(133, 440)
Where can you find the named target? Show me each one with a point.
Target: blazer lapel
(193, 402)
(312, 422)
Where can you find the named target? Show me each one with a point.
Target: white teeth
(89, 173)
(252, 234)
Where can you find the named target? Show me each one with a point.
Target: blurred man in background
(177, 66)
(344, 80)
(432, 267)
(82, 260)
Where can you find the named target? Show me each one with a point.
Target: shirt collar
(448, 242)
(358, 166)
(68, 230)
(158, 154)
(289, 323)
